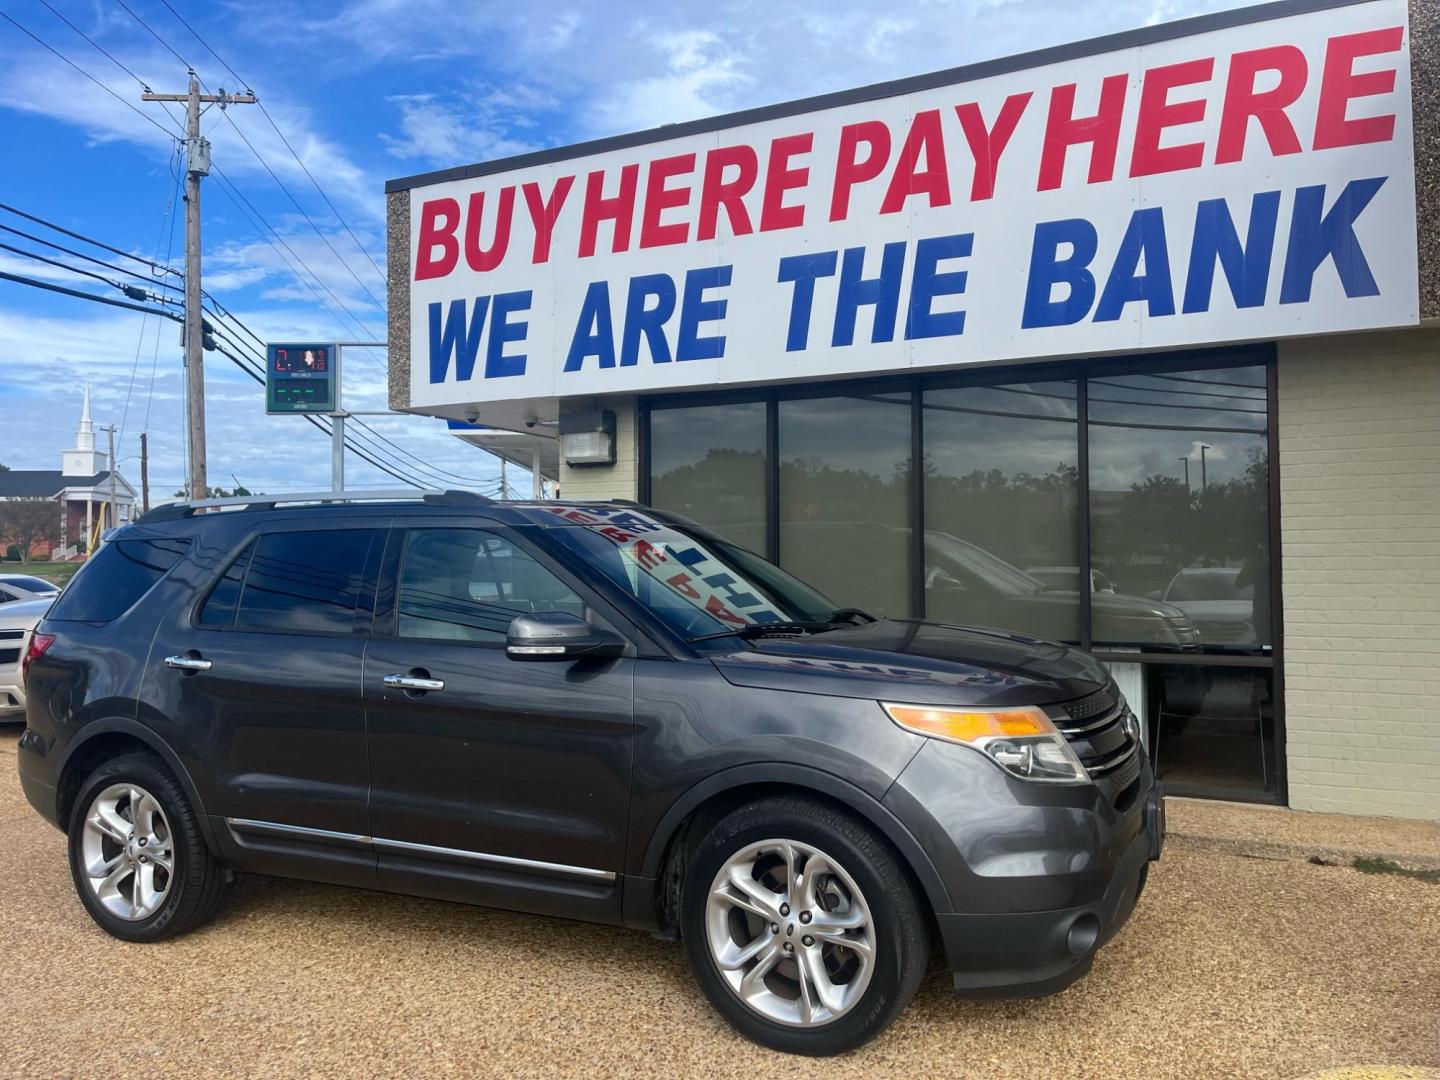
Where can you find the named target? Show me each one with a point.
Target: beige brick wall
(1359, 434)
(618, 481)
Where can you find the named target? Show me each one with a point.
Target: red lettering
(780, 177)
(1242, 101)
(1340, 84)
(986, 145)
(659, 198)
(620, 536)
(1158, 112)
(438, 221)
(716, 191)
(544, 213)
(479, 258)
(850, 170)
(681, 584)
(717, 608)
(925, 137)
(648, 555)
(620, 209)
(1063, 130)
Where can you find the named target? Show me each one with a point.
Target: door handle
(188, 663)
(413, 682)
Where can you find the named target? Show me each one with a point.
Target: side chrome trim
(301, 832)
(495, 860)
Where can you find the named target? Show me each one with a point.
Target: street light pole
(1203, 448)
(1185, 460)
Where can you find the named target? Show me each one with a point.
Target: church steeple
(85, 433)
(84, 460)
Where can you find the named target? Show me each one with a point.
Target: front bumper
(12, 700)
(1034, 953)
(1038, 876)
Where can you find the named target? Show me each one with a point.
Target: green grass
(1374, 865)
(58, 572)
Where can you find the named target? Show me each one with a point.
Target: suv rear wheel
(139, 862)
(801, 927)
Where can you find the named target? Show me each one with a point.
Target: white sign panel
(1244, 183)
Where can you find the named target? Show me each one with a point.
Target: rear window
(116, 577)
(29, 584)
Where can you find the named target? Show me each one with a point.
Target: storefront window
(845, 498)
(708, 463)
(1002, 493)
(1212, 729)
(1179, 505)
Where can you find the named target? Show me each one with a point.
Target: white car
(1221, 609)
(26, 587)
(17, 622)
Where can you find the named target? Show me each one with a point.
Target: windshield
(1206, 587)
(693, 581)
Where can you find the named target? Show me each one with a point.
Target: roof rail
(187, 508)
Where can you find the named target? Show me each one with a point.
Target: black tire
(900, 927)
(198, 881)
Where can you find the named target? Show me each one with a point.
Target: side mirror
(558, 635)
(1156, 594)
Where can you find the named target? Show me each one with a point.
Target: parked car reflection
(1220, 605)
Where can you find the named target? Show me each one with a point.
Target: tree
(27, 521)
(239, 492)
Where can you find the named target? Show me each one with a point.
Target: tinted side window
(467, 584)
(117, 576)
(220, 606)
(307, 582)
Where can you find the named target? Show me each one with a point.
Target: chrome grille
(1097, 733)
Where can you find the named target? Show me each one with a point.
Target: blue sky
(363, 92)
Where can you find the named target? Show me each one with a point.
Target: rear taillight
(39, 644)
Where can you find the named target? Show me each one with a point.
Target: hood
(1218, 610)
(928, 663)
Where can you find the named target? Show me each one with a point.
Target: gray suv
(591, 710)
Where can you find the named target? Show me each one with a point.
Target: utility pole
(197, 166)
(1186, 462)
(1203, 448)
(114, 513)
(144, 473)
(504, 485)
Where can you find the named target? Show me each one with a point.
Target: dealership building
(1132, 343)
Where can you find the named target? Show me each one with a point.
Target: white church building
(88, 500)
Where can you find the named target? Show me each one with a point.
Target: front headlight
(1021, 741)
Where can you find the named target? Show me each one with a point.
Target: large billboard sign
(1245, 182)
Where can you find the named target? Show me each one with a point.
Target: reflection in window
(708, 463)
(845, 498)
(1213, 729)
(468, 584)
(1002, 490)
(1179, 500)
(307, 582)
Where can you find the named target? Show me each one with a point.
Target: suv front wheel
(801, 927)
(139, 862)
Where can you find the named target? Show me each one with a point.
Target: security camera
(530, 422)
(471, 416)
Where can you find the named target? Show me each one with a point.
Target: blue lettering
(927, 284)
(1246, 269)
(803, 270)
(1144, 237)
(594, 330)
(503, 331)
(883, 293)
(1047, 269)
(1313, 239)
(640, 318)
(695, 309)
(456, 339)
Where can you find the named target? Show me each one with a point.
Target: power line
(50, 287)
(133, 108)
(92, 41)
(80, 236)
(165, 44)
(266, 113)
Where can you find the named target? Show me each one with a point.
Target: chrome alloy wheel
(790, 932)
(126, 851)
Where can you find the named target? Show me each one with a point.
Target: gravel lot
(1232, 966)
